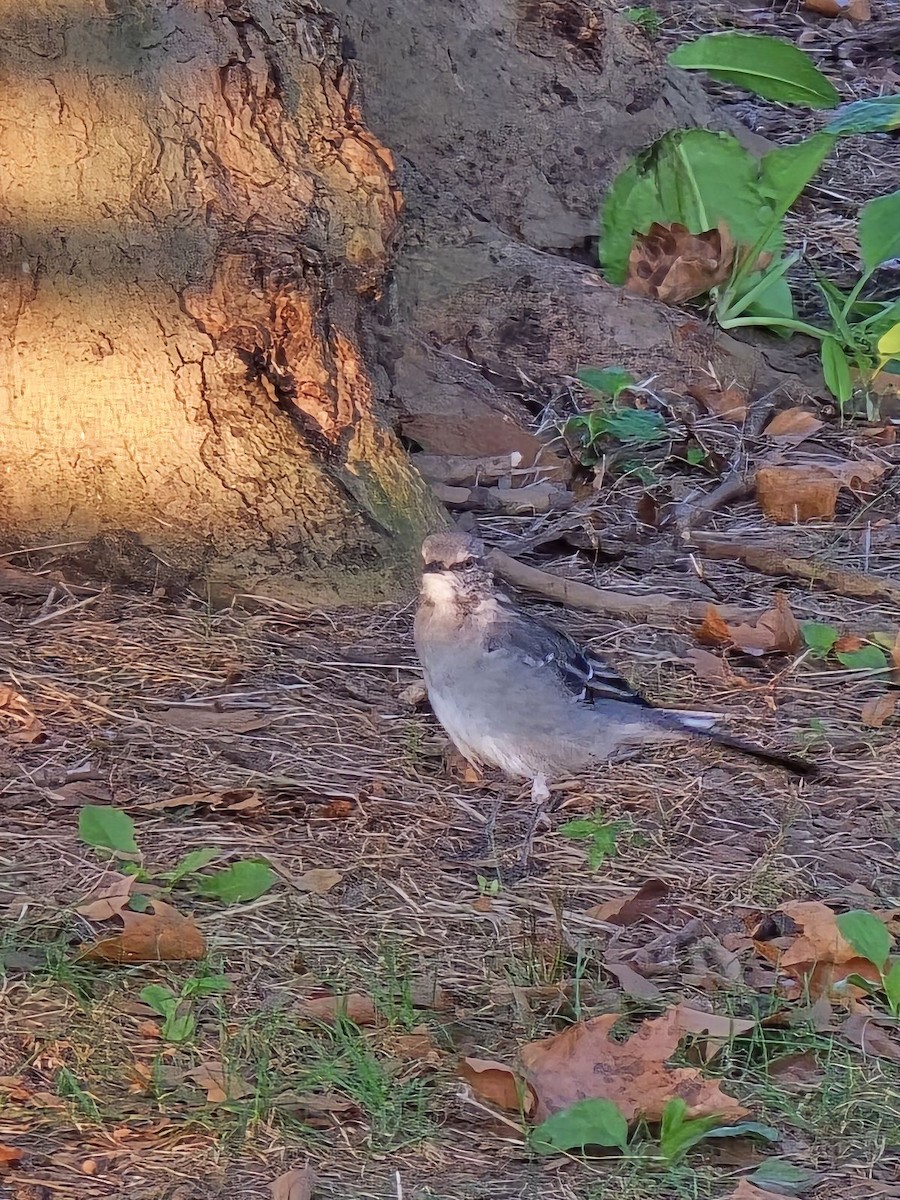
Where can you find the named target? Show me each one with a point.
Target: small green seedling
(601, 836)
(678, 1133)
(821, 640)
(108, 828)
(647, 20)
(179, 1021)
(488, 887)
(872, 941)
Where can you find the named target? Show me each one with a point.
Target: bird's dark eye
(464, 565)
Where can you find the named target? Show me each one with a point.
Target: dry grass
(138, 699)
(727, 835)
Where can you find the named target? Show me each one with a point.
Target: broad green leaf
(609, 381)
(818, 637)
(771, 68)
(585, 1123)
(207, 985)
(634, 425)
(161, 999)
(694, 177)
(836, 369)
(879, 230)
(776, 300)
(891, 983)
(107, 828)
(785, 172)
(178, 1027)
(139, 902)
(782, 1176)
(754, 1129)
(191, 863)
(889, 344)
(884, 639)
(695, 455)
(866, 116)
(867, 935)
(238, 883)
(869, 658)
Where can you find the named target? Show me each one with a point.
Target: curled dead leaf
(879, 710)
(728, 403)
(217, 1083)
(793, 425)
(319, 880)
(631, 983)
(862, 1031)
(775, 631)
(746, 1190)
(809, 491)
(854, 10)
(810, 948)
(713, 669)
(584, 1062)
(670, 264)
(110, 896)
(355, 1007)
(161, 936)
(298, 1184)
(633, 906)
(497, 1084)
(17, 718)
(232, 800)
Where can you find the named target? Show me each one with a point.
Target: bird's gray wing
(584, 675)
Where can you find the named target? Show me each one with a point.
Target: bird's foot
(540, 797)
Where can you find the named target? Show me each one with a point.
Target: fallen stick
(583, 595)
(769, 560)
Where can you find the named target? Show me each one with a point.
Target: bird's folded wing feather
(545, 649)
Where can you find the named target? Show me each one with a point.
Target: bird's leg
(540, 797)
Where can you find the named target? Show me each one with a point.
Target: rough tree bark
(208, 345)
(194, 221)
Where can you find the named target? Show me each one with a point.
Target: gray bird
(515, 693)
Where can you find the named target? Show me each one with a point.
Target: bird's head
(454, 569)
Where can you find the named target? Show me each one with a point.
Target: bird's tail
(702, 725)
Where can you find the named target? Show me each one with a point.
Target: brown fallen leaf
(298, 1184)
(217, 1083)
(413, 696)
(670, 264)
(728, 403)
(498, 1084)
(631, 983)
(355, 1007)
(862, 1031)
(746, 1190)
(163, 935)
(774, 632)
(793, 425)
(336, 810)
(232, 800)
(719, 1030)
(418, 1045)
(713, 669)
(796, 1071)
(809, 492)
(319, 880)
(816, 955)
(634, 906)
(880, 709)
(583, 1062)
(9, 1156)
(110, 896)
(17, 718)
(854, 10)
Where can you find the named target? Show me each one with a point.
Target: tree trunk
(194, 222)
(204, 320)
